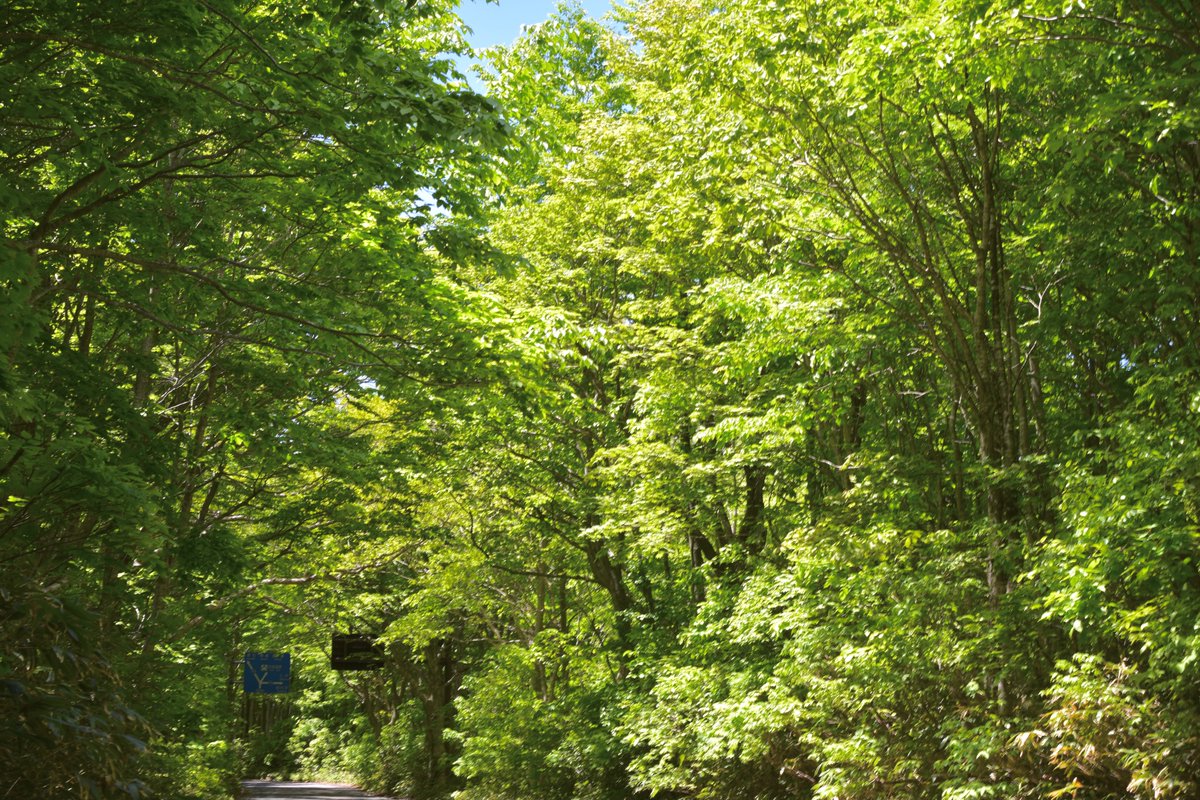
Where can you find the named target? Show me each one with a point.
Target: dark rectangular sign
(355, 651)
(267, 673)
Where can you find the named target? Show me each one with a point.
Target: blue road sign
(267, 673)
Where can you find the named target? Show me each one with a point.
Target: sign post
(267, 673)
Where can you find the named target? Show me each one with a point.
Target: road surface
(278, 790)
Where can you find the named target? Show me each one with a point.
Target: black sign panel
(356, 651)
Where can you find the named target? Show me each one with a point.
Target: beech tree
(763, 400)
(213, 228)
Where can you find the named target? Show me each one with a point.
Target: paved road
(277, 790)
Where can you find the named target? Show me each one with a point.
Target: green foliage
(510, 733)
(68, 729)
(198, 769)
(518, 744)
(216, 235)
(1105, 735)
(757, 400)
(903, 415)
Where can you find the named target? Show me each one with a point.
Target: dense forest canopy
(789, 399)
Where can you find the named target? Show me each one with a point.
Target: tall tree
(213, 225)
